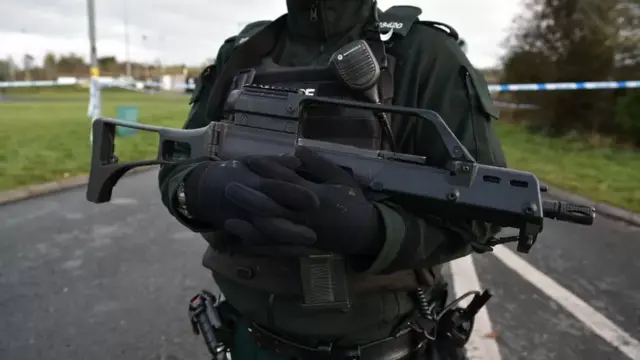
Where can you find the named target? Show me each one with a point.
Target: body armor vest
(279, 274)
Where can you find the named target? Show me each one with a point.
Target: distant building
(175, 82)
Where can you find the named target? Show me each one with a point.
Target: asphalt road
(85, 281)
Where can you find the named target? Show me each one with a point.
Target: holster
(206, 320)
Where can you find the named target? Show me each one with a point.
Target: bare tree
(27, 64)
(568, 41)
(50, 64)
(12, 68)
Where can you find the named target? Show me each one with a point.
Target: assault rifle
(266, 120)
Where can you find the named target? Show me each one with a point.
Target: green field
(603, 174)
(47, 140)
(45, 136)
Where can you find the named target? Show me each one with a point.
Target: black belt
(392, 348)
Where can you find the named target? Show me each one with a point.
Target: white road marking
(480, 346)
(595, 321)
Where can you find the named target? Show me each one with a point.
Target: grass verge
(603, 174)
(46, 137)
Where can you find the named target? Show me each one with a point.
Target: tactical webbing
(277, 275)
(250, 53)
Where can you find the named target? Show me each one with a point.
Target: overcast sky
(190, 31)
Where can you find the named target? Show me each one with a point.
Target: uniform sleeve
(170, 176)
(452, 87)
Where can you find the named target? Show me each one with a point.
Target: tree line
(570, 41)
(54, 65)
(551, 41)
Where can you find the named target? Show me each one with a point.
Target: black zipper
(313, 17)
(313, 12)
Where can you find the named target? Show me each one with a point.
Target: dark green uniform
(431, 72)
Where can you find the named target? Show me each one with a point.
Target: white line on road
(581, 310)
(480, 346)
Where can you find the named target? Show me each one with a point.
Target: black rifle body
(264, 120)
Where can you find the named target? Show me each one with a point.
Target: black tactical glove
(211, 187)
(321, 197)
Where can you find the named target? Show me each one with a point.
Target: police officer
(271, 221)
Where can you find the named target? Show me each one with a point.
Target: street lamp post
(94, 90)
(126, 41)
(91, 14)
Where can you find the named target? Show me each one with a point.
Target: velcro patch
(399, 19)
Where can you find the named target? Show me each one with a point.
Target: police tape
(48, 83)
(583, 85)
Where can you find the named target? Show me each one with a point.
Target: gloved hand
(327, 200)
(211, 187)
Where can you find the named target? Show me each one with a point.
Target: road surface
(85, 281)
